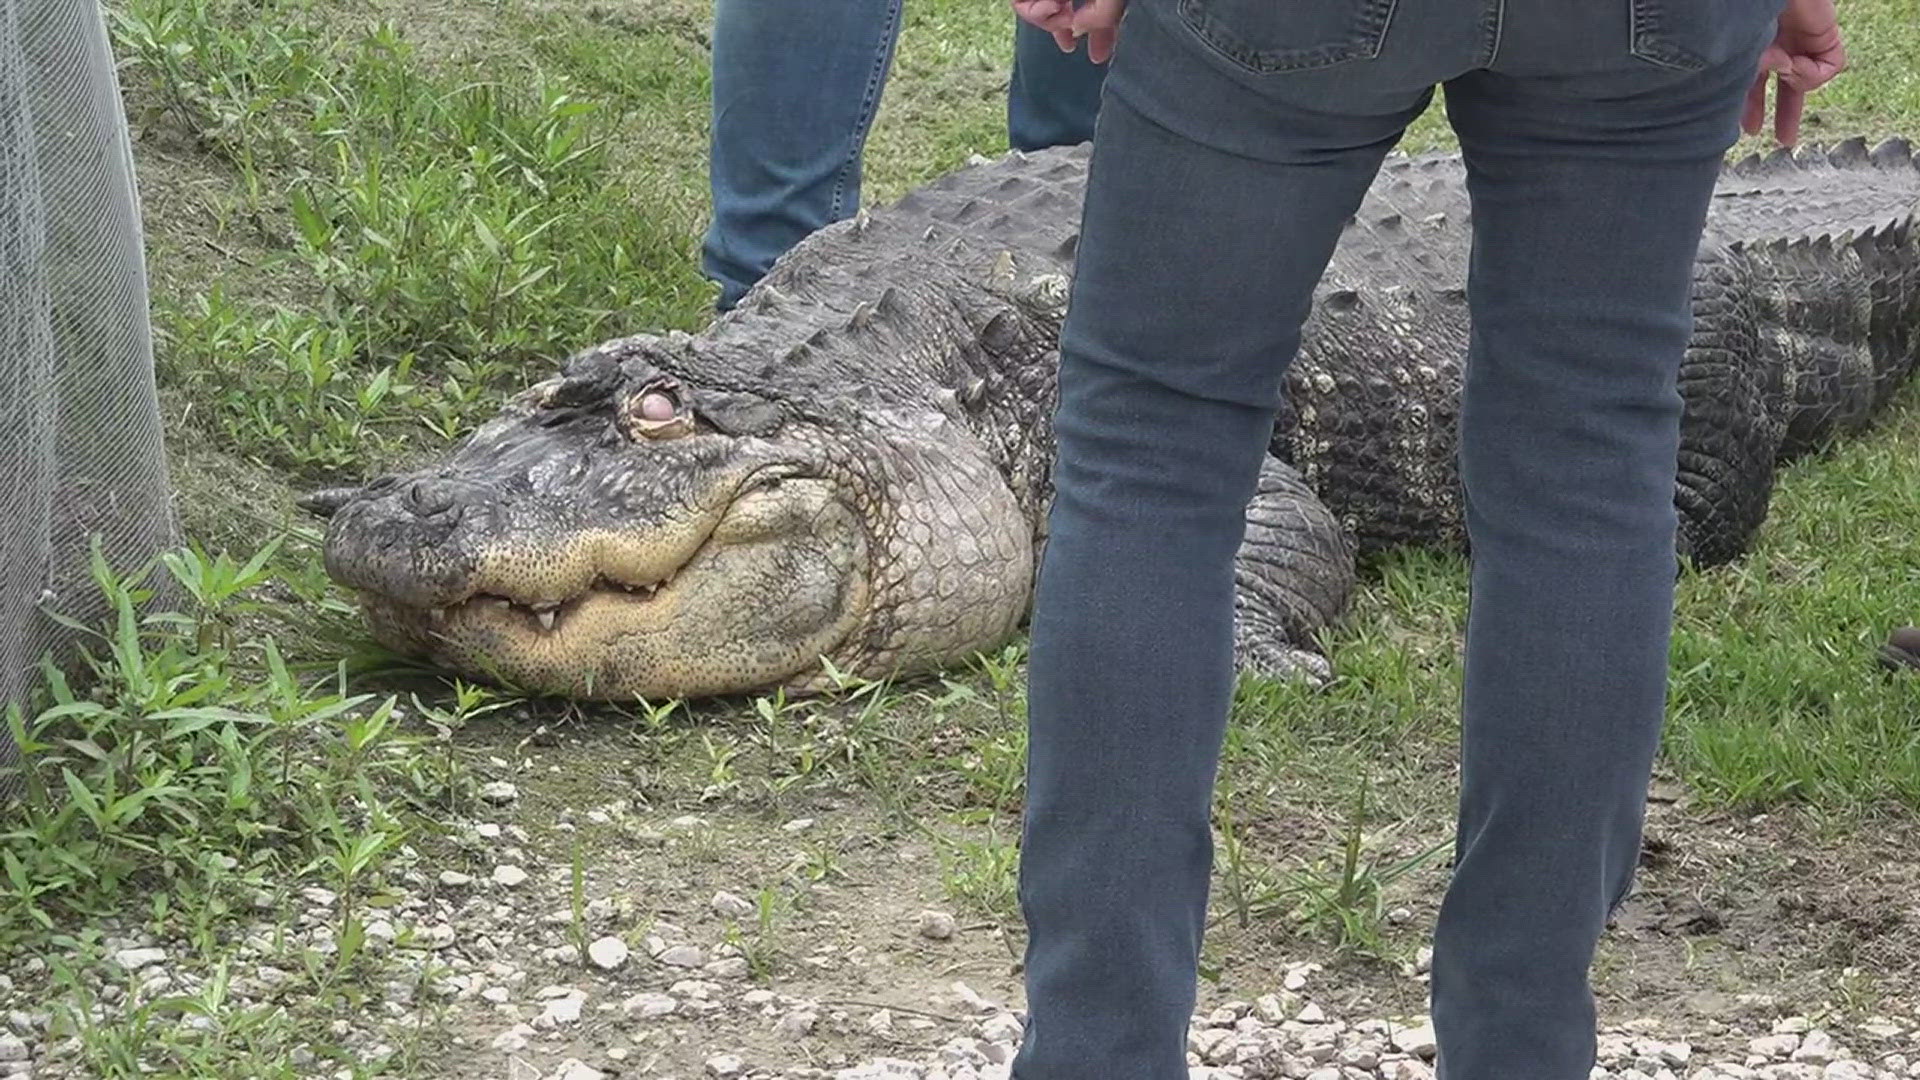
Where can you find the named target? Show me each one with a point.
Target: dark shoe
(1902, 649)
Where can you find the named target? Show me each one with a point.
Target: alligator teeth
(438, 614)
(544, 605)
(500, 602)
(546, 618)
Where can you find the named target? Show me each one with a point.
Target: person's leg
(793, 99)
(1209, 217)
(1052, 96)
(1589, 196)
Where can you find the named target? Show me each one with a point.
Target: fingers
(1788, 104)
(1098, 15)
(1054, 16)
(1755, 114)
(1814, 71)
(1803, 64)
(1100, 45)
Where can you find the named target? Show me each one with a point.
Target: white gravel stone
(693, 988)
(1206, 1042)
(686, 956)
(730, 967)
(1816, 1048)
(499, 792)
(649, 1006)
(509, 876)
(575, 1069)
(12, 1048)
(608, 953)
(885, 1069)
(1001, 1027)
(725, 1065)
(514, 1039)
(1418, 1040)
(936, 925)
(796, 1023)
(565, 1009)
(728, 905)
(971, 998)
(1276, 1008)
(1792, 1025)
(1364, 1058)
(135, 959)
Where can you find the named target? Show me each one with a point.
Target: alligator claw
(1902, 649)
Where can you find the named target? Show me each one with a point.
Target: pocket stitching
(1365, 44)
(1649, 44)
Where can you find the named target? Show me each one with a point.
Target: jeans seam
(1648, 41)
(876, 79)
(1496, 21)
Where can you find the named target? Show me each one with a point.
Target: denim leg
(793, 100)
(1053, 96)
(1589, 197)
(1171, 367)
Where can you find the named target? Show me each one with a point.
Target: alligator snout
(435, 496)
(409, 538)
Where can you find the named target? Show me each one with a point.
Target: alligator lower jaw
(543, 616)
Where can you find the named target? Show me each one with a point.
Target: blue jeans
(793, 98)
(1235, 139)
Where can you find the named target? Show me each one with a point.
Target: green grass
(370, 221)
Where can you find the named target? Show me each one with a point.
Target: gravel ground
(495, 959)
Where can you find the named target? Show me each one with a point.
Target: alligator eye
(656, 411)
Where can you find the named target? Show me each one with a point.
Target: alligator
(847, 475)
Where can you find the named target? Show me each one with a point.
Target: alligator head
(627, 529)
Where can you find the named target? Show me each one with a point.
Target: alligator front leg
(1294, 575)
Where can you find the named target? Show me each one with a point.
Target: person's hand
(1806, 54)
(1096, 20)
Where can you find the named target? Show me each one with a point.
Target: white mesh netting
(80, 447)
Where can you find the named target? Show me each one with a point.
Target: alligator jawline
(546, 616)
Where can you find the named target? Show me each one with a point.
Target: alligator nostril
(429, 497)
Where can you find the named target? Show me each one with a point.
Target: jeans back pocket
(1691, 35)
(1273, 36)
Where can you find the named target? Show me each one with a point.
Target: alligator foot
(1292, 579)
(1902, 649)
(1282, 663)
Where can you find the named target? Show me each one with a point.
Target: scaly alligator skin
(853, 464)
